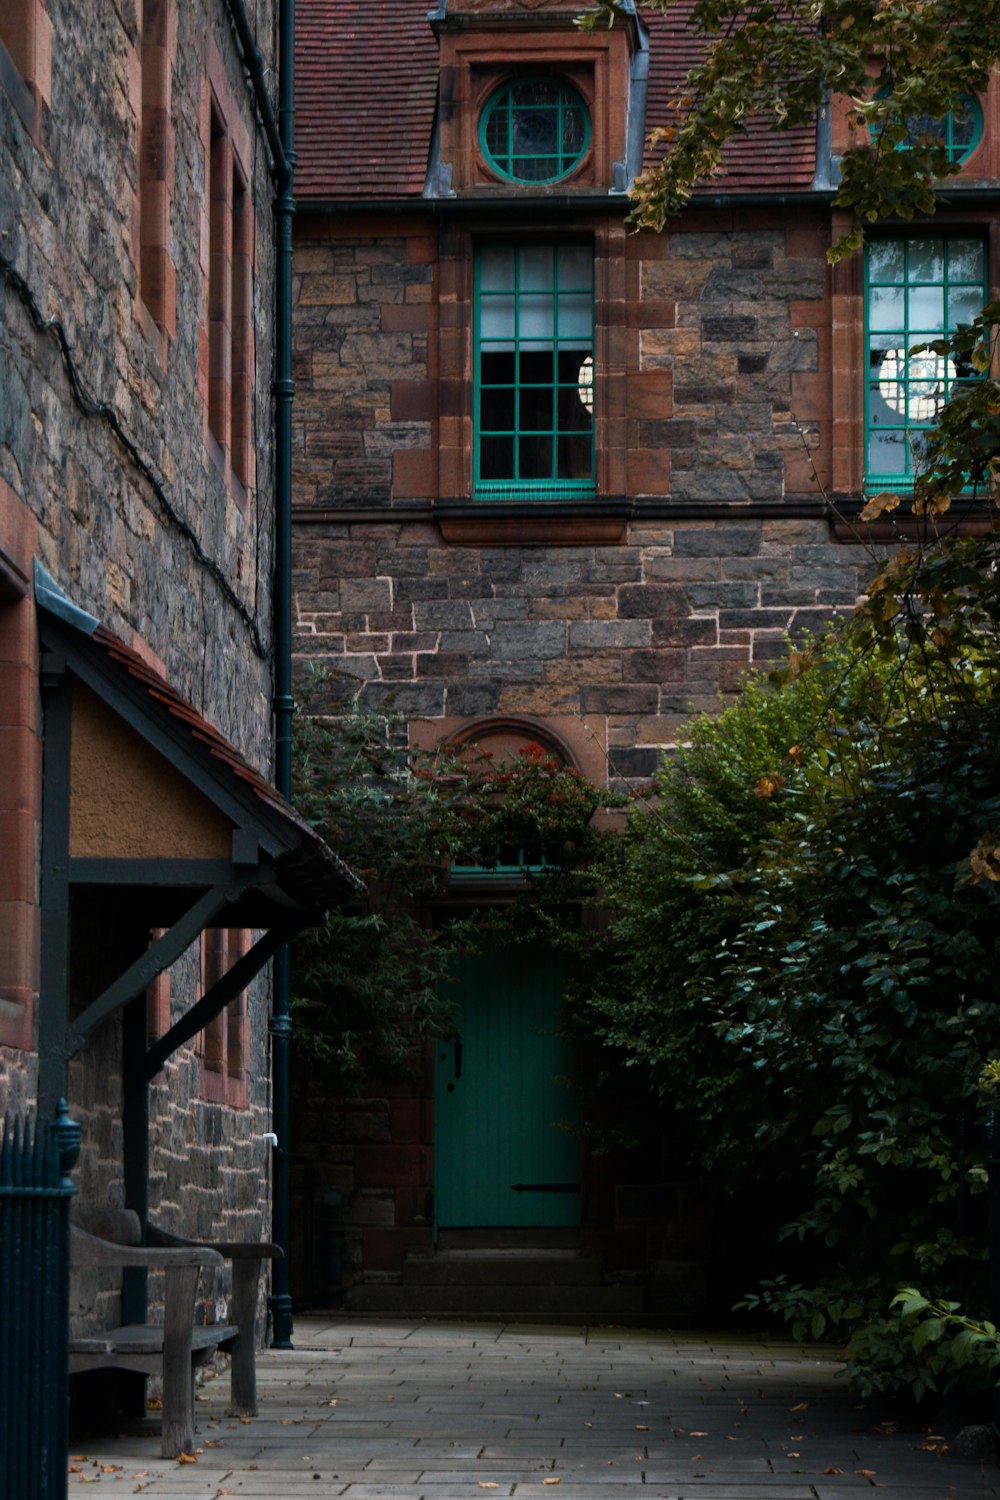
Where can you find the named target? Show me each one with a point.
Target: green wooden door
(501, 1159)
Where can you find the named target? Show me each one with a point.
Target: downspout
(284, 390)
(280, 138)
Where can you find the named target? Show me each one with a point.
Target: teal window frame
(511, 864)
(534, 429)
(957, 151)
(521, 138)
(918, 288)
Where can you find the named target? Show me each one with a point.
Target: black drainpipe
(280, 139)
(284, 390)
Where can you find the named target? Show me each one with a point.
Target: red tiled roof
(761, 160)
(366, 76)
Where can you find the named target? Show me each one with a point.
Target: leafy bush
(367, 985)
(804, 937)
(923, 1347)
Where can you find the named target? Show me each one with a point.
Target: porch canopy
(154, 828)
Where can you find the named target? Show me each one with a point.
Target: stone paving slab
(423, 1411)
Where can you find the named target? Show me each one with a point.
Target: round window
(959, 131)
(534, 130)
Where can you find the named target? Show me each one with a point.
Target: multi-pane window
(534, 130)
(229, 278)
(154, 161)
(534, 354)
(959, 131)
(917, 290)
(222, 1044)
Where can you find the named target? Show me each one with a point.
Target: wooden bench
(175, 1348)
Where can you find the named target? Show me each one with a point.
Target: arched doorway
(507, 1155)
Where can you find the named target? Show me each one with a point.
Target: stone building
(562, 482)
(144, 849)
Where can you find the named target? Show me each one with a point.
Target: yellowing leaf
(879, 505)
(186, 1458)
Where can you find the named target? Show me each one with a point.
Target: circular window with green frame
(959, 131)
(534, 130)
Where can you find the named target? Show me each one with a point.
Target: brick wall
(607, 623)
(712, 347)
(631, 636)
(165, 548)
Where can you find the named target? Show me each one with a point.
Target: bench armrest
(247, 1261)
(228, 1249)
(91, 1250)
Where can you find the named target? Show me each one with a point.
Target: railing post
(991, 1135)
(35, 1189)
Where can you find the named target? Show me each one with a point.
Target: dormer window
(534, 130)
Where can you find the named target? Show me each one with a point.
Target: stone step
(590, 1304)
(502, 1268)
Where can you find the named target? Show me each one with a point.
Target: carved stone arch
(505, 736)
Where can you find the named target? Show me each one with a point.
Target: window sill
(964, 517)
(570, 523)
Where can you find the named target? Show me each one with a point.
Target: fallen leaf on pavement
(833, 1470)
(801, 1406)
(554, 1480)
(186, 1458)
(488, 1484)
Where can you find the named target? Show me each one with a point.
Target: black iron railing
(34, 1305)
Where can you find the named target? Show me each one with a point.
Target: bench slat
(147, 1338)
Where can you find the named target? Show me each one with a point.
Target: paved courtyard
(422, 1411)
